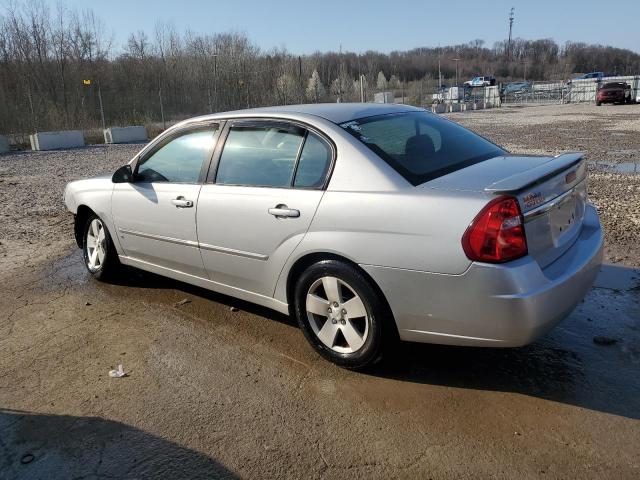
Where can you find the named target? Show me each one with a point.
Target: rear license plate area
(563, 217)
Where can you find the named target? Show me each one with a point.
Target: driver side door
(155, 214)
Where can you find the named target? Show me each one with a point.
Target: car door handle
(282, 211)
(181, 202)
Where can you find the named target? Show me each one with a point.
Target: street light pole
(104, 125)
(456, 60)
(215, 80)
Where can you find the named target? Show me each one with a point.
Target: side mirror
(123, 175)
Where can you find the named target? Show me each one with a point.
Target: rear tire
(598, 104)
(99, 254)
(341, 314)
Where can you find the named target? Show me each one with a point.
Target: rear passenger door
(265, 185)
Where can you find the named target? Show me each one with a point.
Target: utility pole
(439, 73)
(340, 77)
(104, 125)
(215, 80)
(456, 60)
(511, 17)
(33, 115)
(361, 88)
(164, 124)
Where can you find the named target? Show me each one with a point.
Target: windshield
(421, 146)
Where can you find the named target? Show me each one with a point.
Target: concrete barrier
(125, 134)
(4, 144)
(56, 140)
(491, 97)
(383, 97)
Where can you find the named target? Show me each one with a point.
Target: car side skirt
(235, 292)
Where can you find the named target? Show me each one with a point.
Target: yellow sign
(86, 82)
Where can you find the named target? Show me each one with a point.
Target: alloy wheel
(337, 315)
(96, 245)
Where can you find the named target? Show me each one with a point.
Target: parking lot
(216, 391)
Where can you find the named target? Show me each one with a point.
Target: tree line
(59, 69)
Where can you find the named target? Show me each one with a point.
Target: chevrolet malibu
(367, 223)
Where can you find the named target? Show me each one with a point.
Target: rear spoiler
(537, 174)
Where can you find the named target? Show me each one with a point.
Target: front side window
(421, 146)
(180, 160)
(262, 156)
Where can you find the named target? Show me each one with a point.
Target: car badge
(533, 199)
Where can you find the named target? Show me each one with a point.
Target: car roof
(333, 112)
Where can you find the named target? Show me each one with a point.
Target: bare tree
(45, 54)
(381, 82)
(315, 89)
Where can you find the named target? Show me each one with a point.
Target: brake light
(496, 235)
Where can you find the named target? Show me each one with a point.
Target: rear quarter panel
(414, 229)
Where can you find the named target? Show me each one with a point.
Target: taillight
(496, 234)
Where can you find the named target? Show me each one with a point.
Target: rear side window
(260, 156)
(421, 146)
(314, 163)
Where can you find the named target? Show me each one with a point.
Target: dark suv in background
(613, 92)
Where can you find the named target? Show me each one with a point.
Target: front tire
(99, 254)
(341, 314)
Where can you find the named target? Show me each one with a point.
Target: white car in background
(485, 81)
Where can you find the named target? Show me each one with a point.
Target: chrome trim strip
(231, 251)
(451, 335)
(542, 209)
(177, 241)
(190, 243)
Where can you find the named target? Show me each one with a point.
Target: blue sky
(303, 26)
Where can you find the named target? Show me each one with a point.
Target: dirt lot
(238, 394)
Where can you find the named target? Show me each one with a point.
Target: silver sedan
(367, 223)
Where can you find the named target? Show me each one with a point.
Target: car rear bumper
(504, 305)
(611, 98)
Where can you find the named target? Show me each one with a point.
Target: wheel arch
(81, 216)
(305, 261)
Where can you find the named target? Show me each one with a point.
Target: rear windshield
(614, 85)
(421, 146)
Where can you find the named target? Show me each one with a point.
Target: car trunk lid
(551, 192)
(552, 197)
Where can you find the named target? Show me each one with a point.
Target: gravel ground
(33, 218)
(610, 137)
